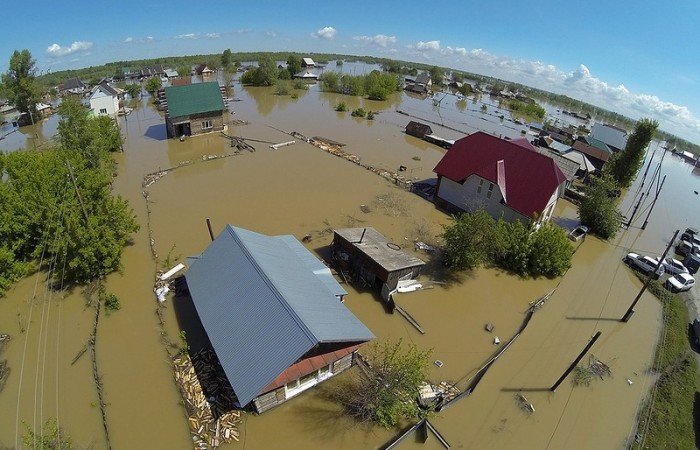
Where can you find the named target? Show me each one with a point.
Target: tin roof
(379, 248)
(194, 99)
(263, 309)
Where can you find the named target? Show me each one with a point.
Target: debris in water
(307, 238)
(365, 209)
(172, 272)
(629, 382)
(439, 363)
(496, 341)
(423, 246)
(489, 327)
(282, 144)
(525, 403)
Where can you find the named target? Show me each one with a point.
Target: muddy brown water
(301, 189)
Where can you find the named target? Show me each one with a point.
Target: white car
(673, 266)
(680, 283)
(646, 264)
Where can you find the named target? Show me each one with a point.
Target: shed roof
(530, 179)
(375, 245)
(263, 309)
(583, 162)
(308, 61)
(305, 74)
(600, 145)
(423, 78)
(194, 99)
(414, 128)
(567, 166)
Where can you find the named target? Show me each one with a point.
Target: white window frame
(209, 123)
(103, 110)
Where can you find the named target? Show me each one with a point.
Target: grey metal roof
(263, 309)
(319, 269)
(566, 165)
(423, 78)
(581, 159)
(379, 248)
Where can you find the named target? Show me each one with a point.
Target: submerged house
(73, 86)
(374, 258)
(507, 179)
(273, 316)
(194, 109)
(614, 137)
(203, 70)
(417, 129)
(597, 151)
(106, 100)
(307, 62)
(306, 75)
(421, 85)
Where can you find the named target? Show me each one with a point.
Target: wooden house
(272, 313)
(417, 129)
(203, 70)
(194, 109)
(374, 258)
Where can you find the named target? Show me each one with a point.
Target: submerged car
(673, 266)
(688, 234)
(578, 233)
(680, 283)
(645, 264)
(690, 245)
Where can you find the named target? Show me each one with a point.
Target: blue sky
(640, 59)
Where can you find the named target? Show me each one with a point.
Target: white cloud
(380, 40)
(56, 51)
(129, 39)
(141, 40)
(325, 33)
(188, 36)
(270, 33)
(213, 35)
(579, 83)
(242, 31)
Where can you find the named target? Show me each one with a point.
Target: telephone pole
(630, 310)
(77, 192)
(658, 191)
(576, 361)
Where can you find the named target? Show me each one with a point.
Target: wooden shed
(374, 258)
(417, 129)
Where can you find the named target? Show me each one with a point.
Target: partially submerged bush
(341, 107)
(359, 112)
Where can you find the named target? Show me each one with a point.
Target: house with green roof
(597, 151)
(194, 109)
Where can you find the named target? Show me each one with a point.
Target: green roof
(598, 144)
(194, 99)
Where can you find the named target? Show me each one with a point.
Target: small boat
(578, 233)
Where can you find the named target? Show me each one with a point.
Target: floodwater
(301, 189)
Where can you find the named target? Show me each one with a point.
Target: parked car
(688, 234)
(673, 266)
(578, 233)
(692, 262)
(680, 283)
(646, 264)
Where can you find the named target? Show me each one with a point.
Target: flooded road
(301, 189)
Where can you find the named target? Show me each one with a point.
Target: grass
(670, 418)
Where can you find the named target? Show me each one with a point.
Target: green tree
(226, 58)
(51, 438)
(437, 74)
(282, 87)
(266, 72)
(184, 71)
(19, 82)
(388, 394)
(513, 247)
(293, 65)
(134, 90)
(153, 84)
(283, 74)
(468, 240)
(550, 251)
(624, 165)
(598, 210)
(330, 81)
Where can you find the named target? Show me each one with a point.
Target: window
(488, 194)
(103, 111)
(478, 189)
(206, 125)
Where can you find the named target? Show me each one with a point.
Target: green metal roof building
(194, 109)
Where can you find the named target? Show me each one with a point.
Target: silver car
(673, 266)
(645, 264)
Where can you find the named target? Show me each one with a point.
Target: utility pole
(636, 207)
(576, 361)
(77, 192)
(630, 310)
(656, 197)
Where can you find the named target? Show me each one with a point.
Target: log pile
(209, 400)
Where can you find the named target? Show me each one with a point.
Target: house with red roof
(508, 179)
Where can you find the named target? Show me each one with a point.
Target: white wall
(100, 100)
(466, 196)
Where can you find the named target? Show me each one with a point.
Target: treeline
(527, 109)
(375, 85)
(472, 240)
(57, 204)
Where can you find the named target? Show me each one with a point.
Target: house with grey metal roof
(374, 258)
(273, 316)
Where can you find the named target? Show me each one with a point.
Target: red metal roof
(530, 178)
(308, 365)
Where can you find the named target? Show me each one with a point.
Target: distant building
(153, 71)
(271, 311)
(194, 109)
(307, 62)
(585, 166)
(421, 85)
(597, 151)
(203, 70)
(44, 109)
(417, 129)
(507, 179)
(306, 75)
(170, 73)
(73, 86)
(373, 258)
(105, 100)
(614, 137)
